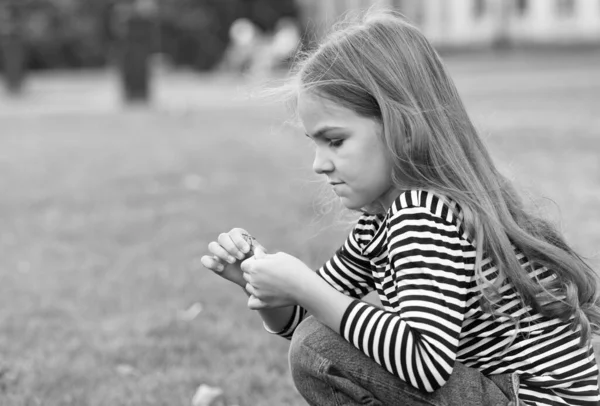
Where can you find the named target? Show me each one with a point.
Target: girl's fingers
(241, 239)
(246, 265)
(212, 263)
(220, 252)
(255, 303)
(250, 289)
(259, 252)
(227, 243)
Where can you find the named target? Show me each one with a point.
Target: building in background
(478, 22)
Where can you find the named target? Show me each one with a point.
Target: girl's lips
(336, 187)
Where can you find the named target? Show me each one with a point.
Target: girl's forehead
(308, 100)
(314, 105)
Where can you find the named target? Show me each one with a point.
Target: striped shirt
(421, 261)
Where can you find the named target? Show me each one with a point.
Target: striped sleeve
(349, 271)
(427, 284)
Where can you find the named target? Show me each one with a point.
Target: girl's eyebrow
(321, 132)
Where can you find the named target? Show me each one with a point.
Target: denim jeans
(329, 371)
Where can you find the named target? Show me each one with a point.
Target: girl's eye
(336, 143)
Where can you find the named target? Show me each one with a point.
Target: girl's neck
(384, 202)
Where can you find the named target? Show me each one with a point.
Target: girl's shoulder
(430, 205)
(434, 203)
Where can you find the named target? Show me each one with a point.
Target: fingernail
(220, 268)
(240, 255)
(246, 248)
(230, 259)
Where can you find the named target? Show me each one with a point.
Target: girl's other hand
(273, 280)
(227, 253)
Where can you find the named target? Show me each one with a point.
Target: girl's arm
(417, 340)
(316, 297)
(325, 303)
(345, 276)
(277, 319)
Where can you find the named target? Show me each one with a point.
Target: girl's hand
(273, 280)
(227, 253)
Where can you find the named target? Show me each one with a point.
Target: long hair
(382, 67)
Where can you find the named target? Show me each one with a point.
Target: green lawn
(103, 219)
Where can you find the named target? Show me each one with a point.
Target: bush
(84, 33)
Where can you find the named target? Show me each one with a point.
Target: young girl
(482, 302)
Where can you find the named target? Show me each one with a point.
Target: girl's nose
(322, 163)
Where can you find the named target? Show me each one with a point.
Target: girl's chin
(349, 204)
(354, 202)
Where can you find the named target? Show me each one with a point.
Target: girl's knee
(304, 353)
(308, 326)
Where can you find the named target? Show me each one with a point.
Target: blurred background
(130, 137)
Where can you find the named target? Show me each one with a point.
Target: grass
(103, 219)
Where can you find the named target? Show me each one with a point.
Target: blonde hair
(382, 67)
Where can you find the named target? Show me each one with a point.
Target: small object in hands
(250, 240)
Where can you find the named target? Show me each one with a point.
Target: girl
(482, 302)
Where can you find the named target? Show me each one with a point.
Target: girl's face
(349, 152)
